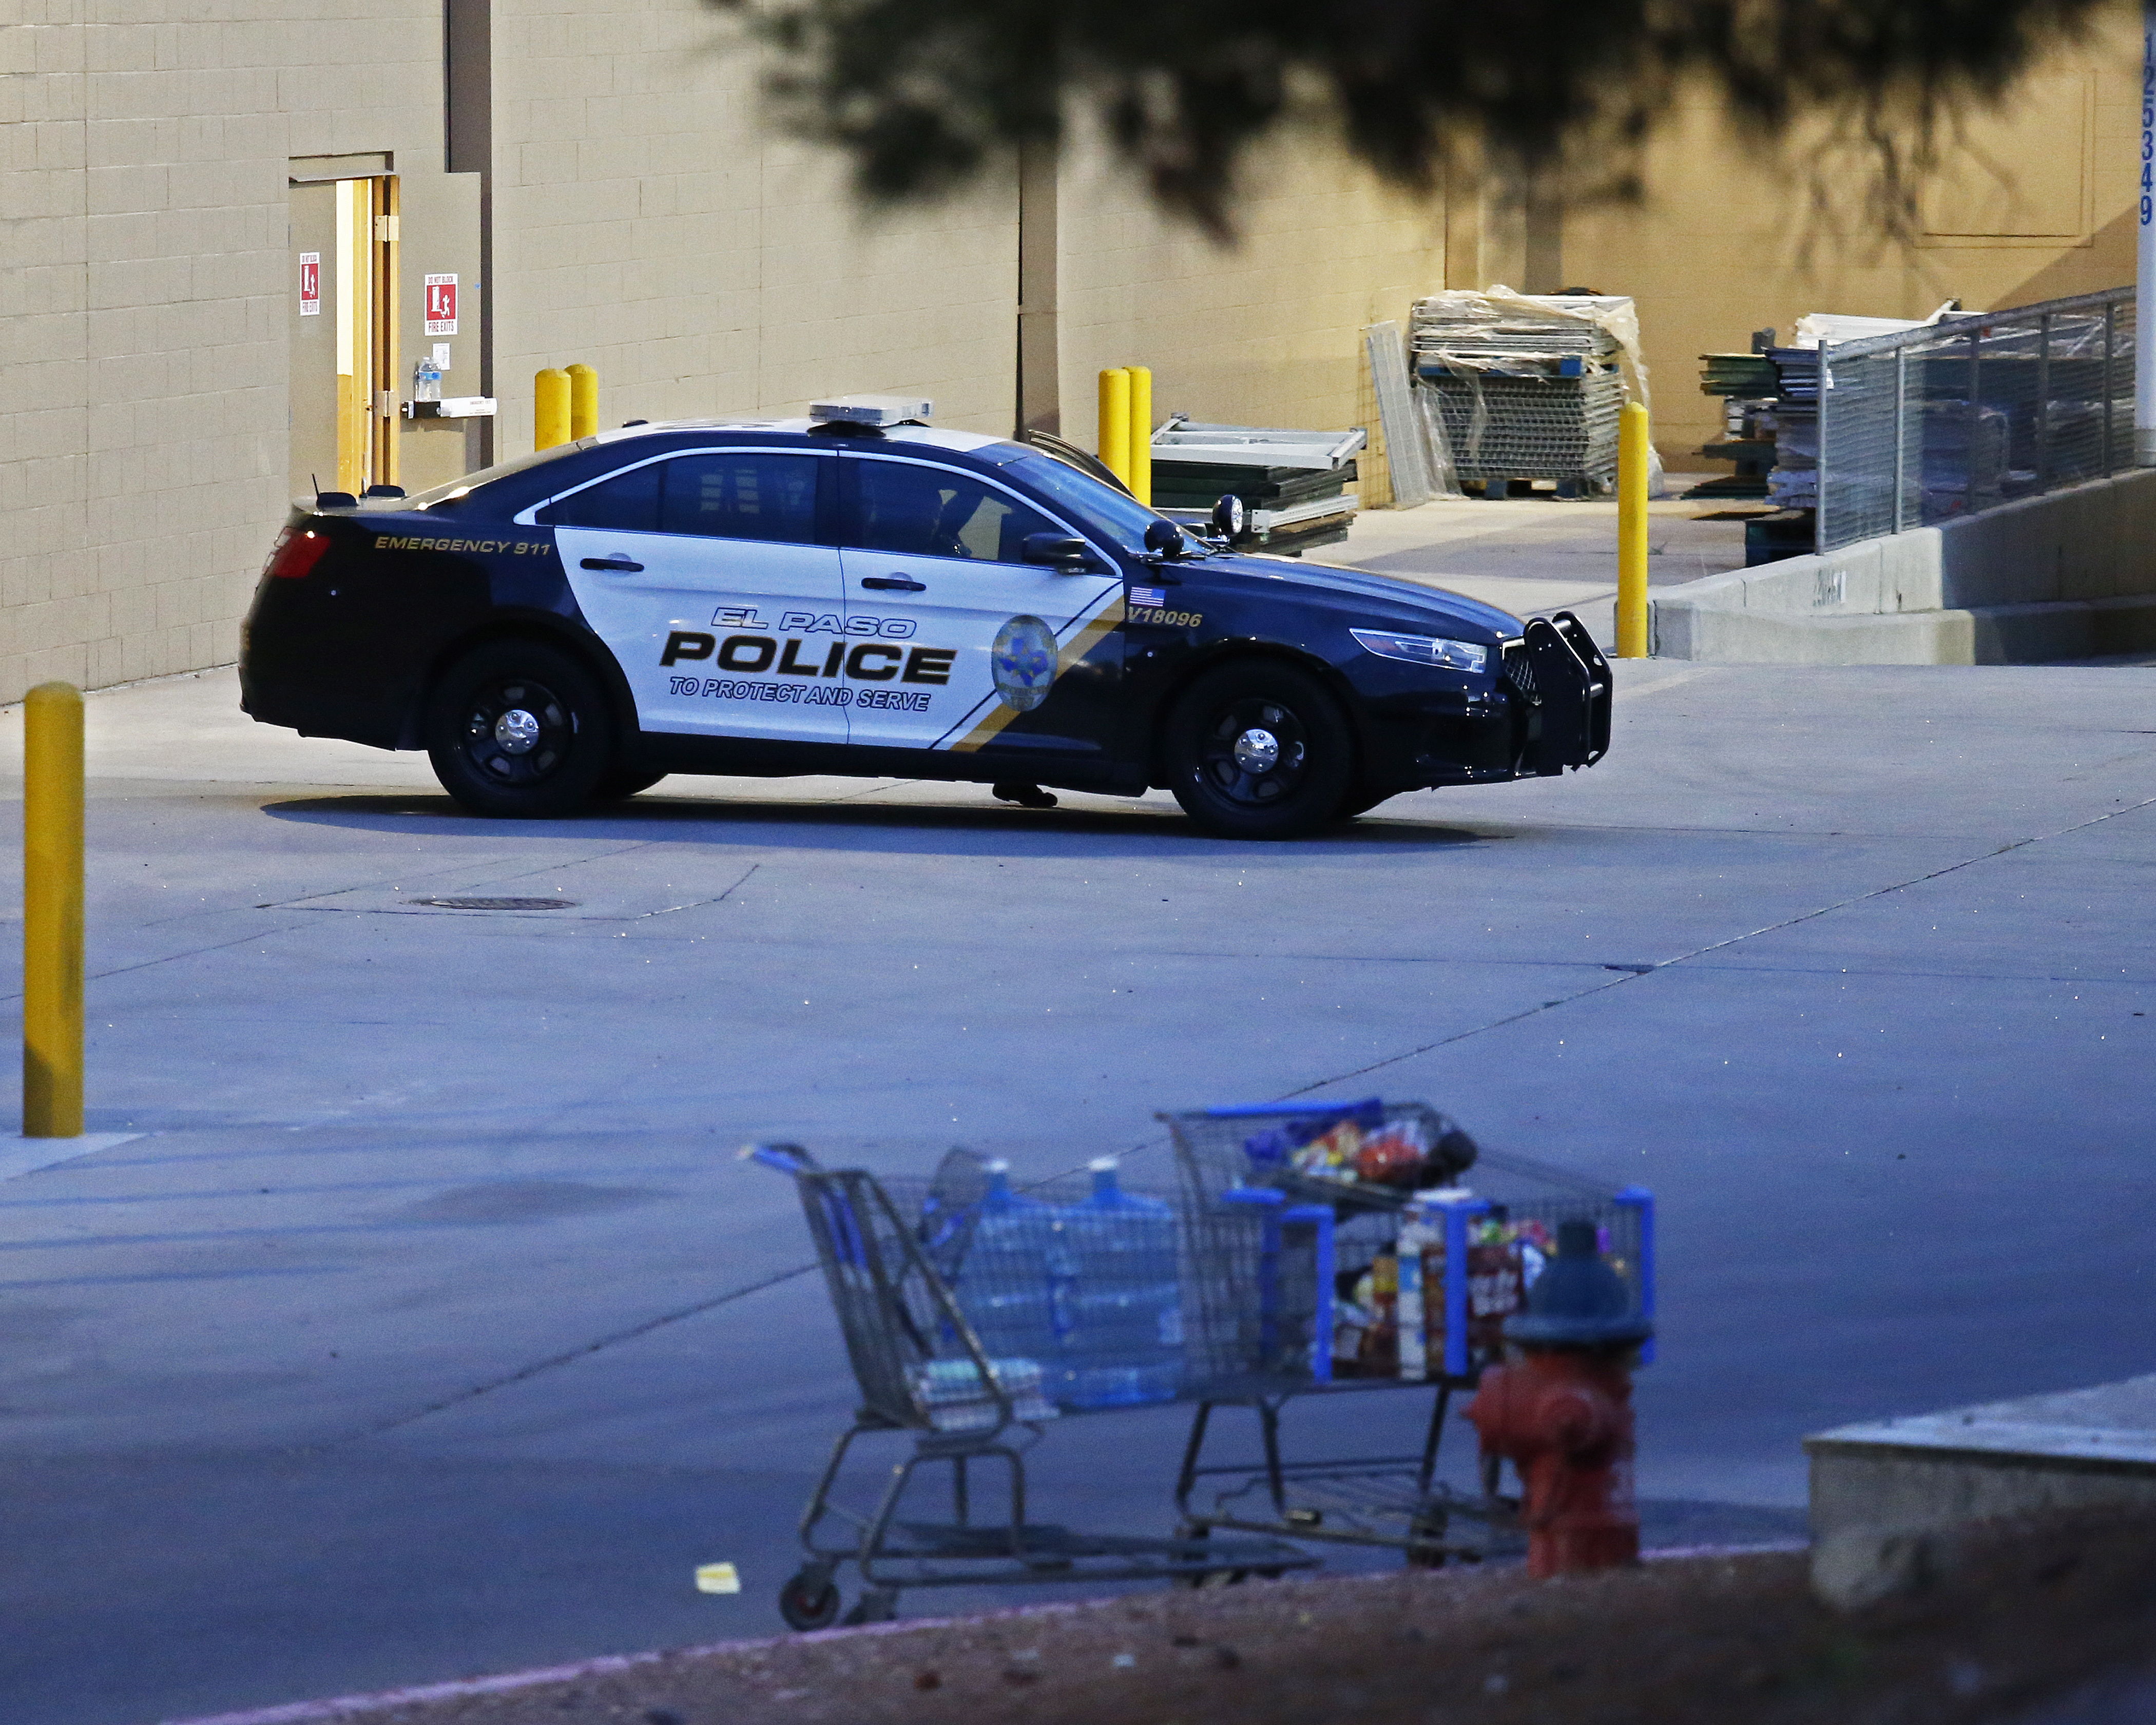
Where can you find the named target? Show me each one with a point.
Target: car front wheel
(1259, 750)
(519, 729)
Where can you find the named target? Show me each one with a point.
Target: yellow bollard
(1116, 422)
(52, 912)
(1632, 462)
(550, 409)
(1141, 455)
(583, 401)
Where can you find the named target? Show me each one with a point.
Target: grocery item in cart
(955, 1400)
(1421, 1273)
(1385, 1153)
(1120, 1315)
(1007, 1277)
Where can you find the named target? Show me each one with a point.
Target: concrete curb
(307, 1713)
(345, 1707)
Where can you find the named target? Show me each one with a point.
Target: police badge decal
(1022, 661)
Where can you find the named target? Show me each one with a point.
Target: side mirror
(1163, 539)
(1061, 550)
(1230, 517)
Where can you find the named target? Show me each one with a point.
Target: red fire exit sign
(441, 305)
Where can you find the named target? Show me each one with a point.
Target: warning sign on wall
(441, 305)
(310, 284)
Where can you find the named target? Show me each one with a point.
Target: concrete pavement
(427, 1324)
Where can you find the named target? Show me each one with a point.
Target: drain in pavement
(497, 904)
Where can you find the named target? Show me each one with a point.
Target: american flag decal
(1150, 598)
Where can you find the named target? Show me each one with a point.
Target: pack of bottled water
(955, 1400)
(1092, 1289)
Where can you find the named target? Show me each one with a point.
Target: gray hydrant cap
(1579, 1301)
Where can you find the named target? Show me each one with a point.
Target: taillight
(296, 553)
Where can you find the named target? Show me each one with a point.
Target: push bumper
(1562, 695)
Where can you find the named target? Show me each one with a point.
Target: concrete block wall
(649, 222)
(143, 162)
(1730, 234)
(2069, 575)
(1269, 333)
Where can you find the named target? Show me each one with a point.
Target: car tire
(1258, 749)
(1359, 803)
(519, 729)
(618, 784)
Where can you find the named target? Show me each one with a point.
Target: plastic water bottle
(1004, 1283)
(1121, 1318)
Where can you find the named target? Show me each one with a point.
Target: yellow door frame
(367, 396)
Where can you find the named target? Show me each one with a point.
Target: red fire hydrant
(1562, 1413)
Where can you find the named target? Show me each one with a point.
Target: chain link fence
(1921, 426)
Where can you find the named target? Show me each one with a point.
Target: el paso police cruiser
(856, 593)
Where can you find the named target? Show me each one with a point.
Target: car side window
(915, 510)
(625, 503)
(721, 495)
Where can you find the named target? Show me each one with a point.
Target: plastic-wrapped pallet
(1531, 386)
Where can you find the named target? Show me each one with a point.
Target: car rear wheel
(1259, 750)
(519, 729)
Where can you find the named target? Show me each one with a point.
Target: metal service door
(953, 637)
(701, 574)
(439, 316)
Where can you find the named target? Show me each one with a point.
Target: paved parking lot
(426, 1323)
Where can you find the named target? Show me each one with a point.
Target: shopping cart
(973, 1317)
(1337, 1252)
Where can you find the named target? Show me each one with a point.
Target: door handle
(894, 583)
(621, 564)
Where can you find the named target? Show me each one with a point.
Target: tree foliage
(925, 95)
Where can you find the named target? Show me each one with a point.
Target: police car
(856, 592)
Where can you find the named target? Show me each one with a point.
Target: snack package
(1495, 1287)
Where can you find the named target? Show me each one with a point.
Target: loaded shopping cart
(973, 1317)
(1308, 1250)
(1339, 1250)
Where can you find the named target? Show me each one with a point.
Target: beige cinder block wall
(143, 161)
(1267, 332)
(2032, 202)
(649, 222)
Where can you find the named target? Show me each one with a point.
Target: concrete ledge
(1875, 1486)
(2066, 576)
(1988, 635)
(2006, 1459)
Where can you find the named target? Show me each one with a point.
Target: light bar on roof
(871, 410)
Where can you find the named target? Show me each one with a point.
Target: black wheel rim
(805, 1610)
(1233, 765)
(517, 731)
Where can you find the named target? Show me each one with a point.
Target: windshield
(455, 488)
(1116, 514)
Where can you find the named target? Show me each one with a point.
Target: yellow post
(1116, 422)
(583, 401)
(52, 912)
(1632, 462)
(550, 409)
(1142, 434)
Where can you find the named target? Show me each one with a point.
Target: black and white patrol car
(866, 595)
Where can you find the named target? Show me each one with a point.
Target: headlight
(1423, 650)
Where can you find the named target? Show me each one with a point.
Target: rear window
(456, 490)
(716, 493)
